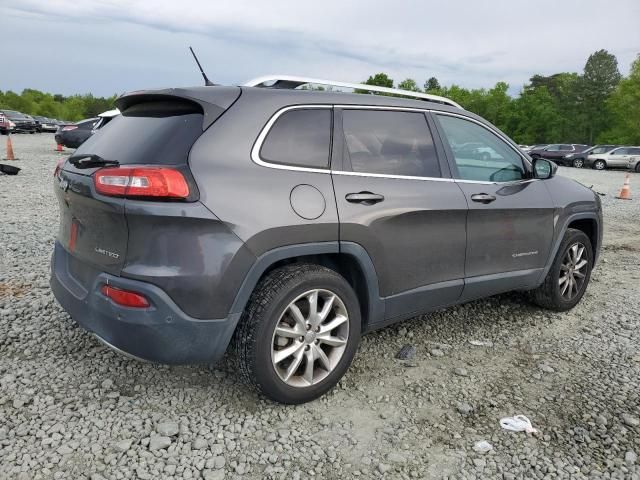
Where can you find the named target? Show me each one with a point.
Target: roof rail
(291, 82)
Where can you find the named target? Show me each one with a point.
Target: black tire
(253, 338)
(578, 163)
(638, 167)
(599, 165)
(548, 295)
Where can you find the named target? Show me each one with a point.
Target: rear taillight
(126, 298)
(69, 127)
(141, 182)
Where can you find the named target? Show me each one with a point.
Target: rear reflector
(69, 127)
(141, 182)
(125, 298)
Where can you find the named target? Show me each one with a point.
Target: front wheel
(298, 334)
(569, 275)
(638, 167)
(578, 163)
(599, 165)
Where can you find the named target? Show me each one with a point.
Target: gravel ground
(72, 409)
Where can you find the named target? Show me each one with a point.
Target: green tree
(381, 80)
(409, 84)
(624, 109)
(432, 85)
(600, 78)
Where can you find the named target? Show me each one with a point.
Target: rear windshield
(149, 133)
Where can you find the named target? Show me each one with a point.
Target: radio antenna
(207, 82)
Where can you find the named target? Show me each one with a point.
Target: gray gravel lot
(72, 409)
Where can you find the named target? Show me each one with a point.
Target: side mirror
(543, 168)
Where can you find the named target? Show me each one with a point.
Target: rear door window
(300, 137)
(389, 143)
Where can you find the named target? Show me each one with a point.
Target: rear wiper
(90, 161)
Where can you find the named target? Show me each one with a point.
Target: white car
(104, 118)
(616, 158)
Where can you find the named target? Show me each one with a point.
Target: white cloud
(472, 43)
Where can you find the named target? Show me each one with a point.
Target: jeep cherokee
(281, 224)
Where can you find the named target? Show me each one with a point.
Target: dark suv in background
(75, 134)
(24, 123)
(282, 224)
(557, 152)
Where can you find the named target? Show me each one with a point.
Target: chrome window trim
(255, 150)
(398, 177)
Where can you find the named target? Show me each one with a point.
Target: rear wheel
(578, 163)
(299, 333)
(599, 165)
(569, 275)
(638, 167)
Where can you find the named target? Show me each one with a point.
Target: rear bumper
(161, 333)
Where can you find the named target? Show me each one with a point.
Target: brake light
(126, 298)
(141, 182)
(69, 127)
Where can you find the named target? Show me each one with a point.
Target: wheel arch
(587, 222)
(348, 259)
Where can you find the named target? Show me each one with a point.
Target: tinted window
(479, 154)
(634, 151)
(619, 151)
(553, 148)
(299, 137)
(152, 133)
(390, 143)
(566, 147)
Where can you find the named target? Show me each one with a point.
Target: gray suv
(281, 224)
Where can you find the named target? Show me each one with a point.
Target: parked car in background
(104, 118)
(577, 159)
(634, 163)
(557, 151)
(46, 124)
(537, 146)
(524, 147)
(74, 135)
(6, 125)
(616, 158)
(24, 123)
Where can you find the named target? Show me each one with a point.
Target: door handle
(366, 198)
(482, 198)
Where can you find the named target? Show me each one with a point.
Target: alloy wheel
(573, 271)
(578, 163)
(310, 338)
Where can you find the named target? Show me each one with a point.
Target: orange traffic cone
(10, 155)
(625, 193)
(59, 148)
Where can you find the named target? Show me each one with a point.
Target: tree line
(71, 108)
(598, 105)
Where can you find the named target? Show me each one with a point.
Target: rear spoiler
(211, 101)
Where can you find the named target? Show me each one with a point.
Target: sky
(108, 47)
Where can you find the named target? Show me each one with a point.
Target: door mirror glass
(543, 168)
